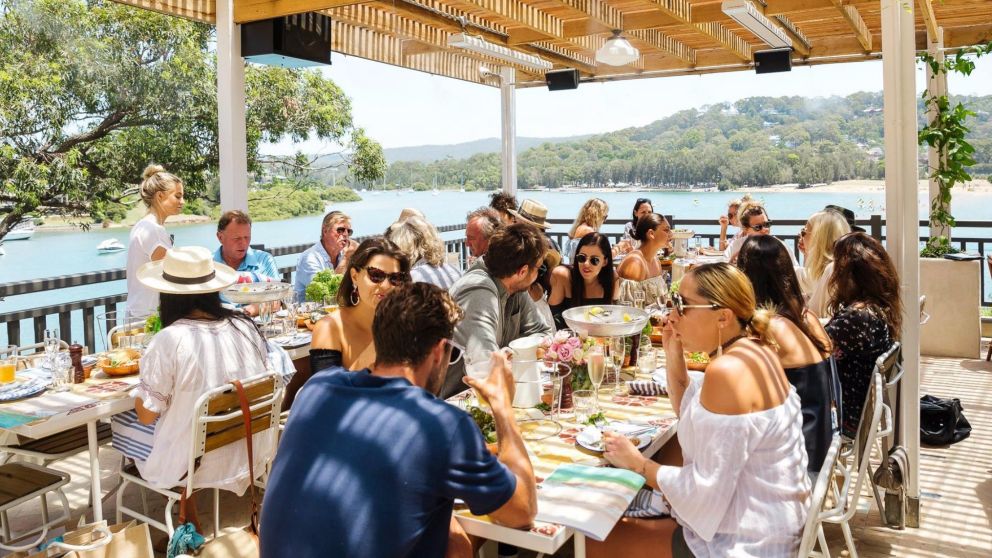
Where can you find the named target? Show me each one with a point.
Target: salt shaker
(76, 354)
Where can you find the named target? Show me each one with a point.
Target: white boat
(110, 246)
(23, 230)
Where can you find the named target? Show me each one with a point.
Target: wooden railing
(74, 316)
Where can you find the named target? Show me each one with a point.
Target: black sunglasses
(582, 258)
(680, 306)
(759, 228)
(342, 230)
(377, 276)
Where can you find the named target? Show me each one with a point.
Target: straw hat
(187, 270)
(533, 212)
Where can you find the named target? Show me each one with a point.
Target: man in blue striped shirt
(253, 266)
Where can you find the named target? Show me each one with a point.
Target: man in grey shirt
(493, 295)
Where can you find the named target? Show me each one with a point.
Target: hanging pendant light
(617, 51)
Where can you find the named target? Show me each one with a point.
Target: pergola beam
(526, 15)
(681, 10)
(929, 18)
(857, 24)
(204, 11)
(254, 10)
(663, 42)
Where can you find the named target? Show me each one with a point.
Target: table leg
(580, 545)
(95, 489)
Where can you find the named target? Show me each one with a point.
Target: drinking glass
(646, 360)
(618, 349)
(559, 373)
(639, 299)
(585, 405)
(51, 343)
(61, 365)
(596, 366)
(8, 365)
(478, 366)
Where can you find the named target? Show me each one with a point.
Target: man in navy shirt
(371, 461)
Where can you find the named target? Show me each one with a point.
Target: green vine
(946, 132)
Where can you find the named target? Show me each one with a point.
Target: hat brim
(150, 275)
(517, 214)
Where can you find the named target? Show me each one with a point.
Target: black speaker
(562, 79)
(293, 41)
(775, 60)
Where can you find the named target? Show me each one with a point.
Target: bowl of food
(605, 321)
(120, 362)
(697, 361)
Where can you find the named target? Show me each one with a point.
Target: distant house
(872, 110)
(876, 153)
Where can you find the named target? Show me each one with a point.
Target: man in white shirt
(330, 252)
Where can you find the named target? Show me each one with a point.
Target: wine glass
(51, 344)
(596, 366)
(618, 350)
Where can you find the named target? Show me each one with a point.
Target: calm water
(57, 253)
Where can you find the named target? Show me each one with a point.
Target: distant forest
(758, 141)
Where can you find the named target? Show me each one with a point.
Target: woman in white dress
(640, 270)
(162, 193)
(201, 346)
(742, 489)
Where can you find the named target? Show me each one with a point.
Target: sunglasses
(377, 276)
(731, 214)
(803, 232)
(343, 230)
(680, 306)
(582, 258)
(457, 351)
(762, 226)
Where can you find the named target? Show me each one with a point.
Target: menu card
(589, 499)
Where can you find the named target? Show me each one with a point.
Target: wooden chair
(217, 422)
(846, 497)
(813, 530)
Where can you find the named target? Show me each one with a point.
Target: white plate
(641, 441)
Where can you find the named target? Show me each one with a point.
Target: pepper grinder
(76, 355)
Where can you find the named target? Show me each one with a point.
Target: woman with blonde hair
(162, 194)
(420, 241)
(591, 217)
(822, 230)
(742, 488)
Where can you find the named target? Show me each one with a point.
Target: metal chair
(813, 530)
(217, 422)
(22, 483)
(857, 468)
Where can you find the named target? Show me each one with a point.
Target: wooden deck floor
(956, 515)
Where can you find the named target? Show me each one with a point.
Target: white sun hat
(187, 270)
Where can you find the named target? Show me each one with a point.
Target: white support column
(902, 216)
(231, 128)
(508, 113)
(937, 86)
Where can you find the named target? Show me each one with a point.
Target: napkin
(646, 387)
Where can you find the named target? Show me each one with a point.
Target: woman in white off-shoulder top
(742, 489)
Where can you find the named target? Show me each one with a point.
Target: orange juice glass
(8, 364)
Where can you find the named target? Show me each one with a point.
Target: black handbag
(942, 421)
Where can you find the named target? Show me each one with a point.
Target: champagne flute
(51, 344)
(596, 366)
(617, 352)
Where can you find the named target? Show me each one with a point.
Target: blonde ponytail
(155, 179)
(759, 326)
(728, 287)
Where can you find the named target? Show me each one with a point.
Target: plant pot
(953, 291)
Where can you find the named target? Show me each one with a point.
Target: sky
(400, 107)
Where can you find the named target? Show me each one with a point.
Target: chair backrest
(868, 431)
(812, 527)
(889, 365)
(218, 420)
(924, 317)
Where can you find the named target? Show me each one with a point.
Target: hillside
(756, 141)
(428, 153)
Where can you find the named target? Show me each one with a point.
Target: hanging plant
(947, 133)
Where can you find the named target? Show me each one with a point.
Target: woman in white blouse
(202, 345)
(742, 489)
(162, 193)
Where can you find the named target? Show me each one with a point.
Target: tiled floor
(956, 482)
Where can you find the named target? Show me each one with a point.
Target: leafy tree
(91, 92)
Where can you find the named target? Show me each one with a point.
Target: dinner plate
(294, 340)
(27, 383)
(641, 441)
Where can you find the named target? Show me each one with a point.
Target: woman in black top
(867, 316)
(590, 279)
(802, 345)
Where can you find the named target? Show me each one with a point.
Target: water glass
(585, 405)
(61, 367)
(478, 367)
(558, 373)
(8, 364)
(646, 360)
(639, 299)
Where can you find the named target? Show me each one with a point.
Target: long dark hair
(606, 275)
(637, 205)
(864, 274)
(766, 262)
(173, 307)
(374, 246)
(649, 222)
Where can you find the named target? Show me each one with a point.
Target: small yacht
(23, 230)
(110, 246)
